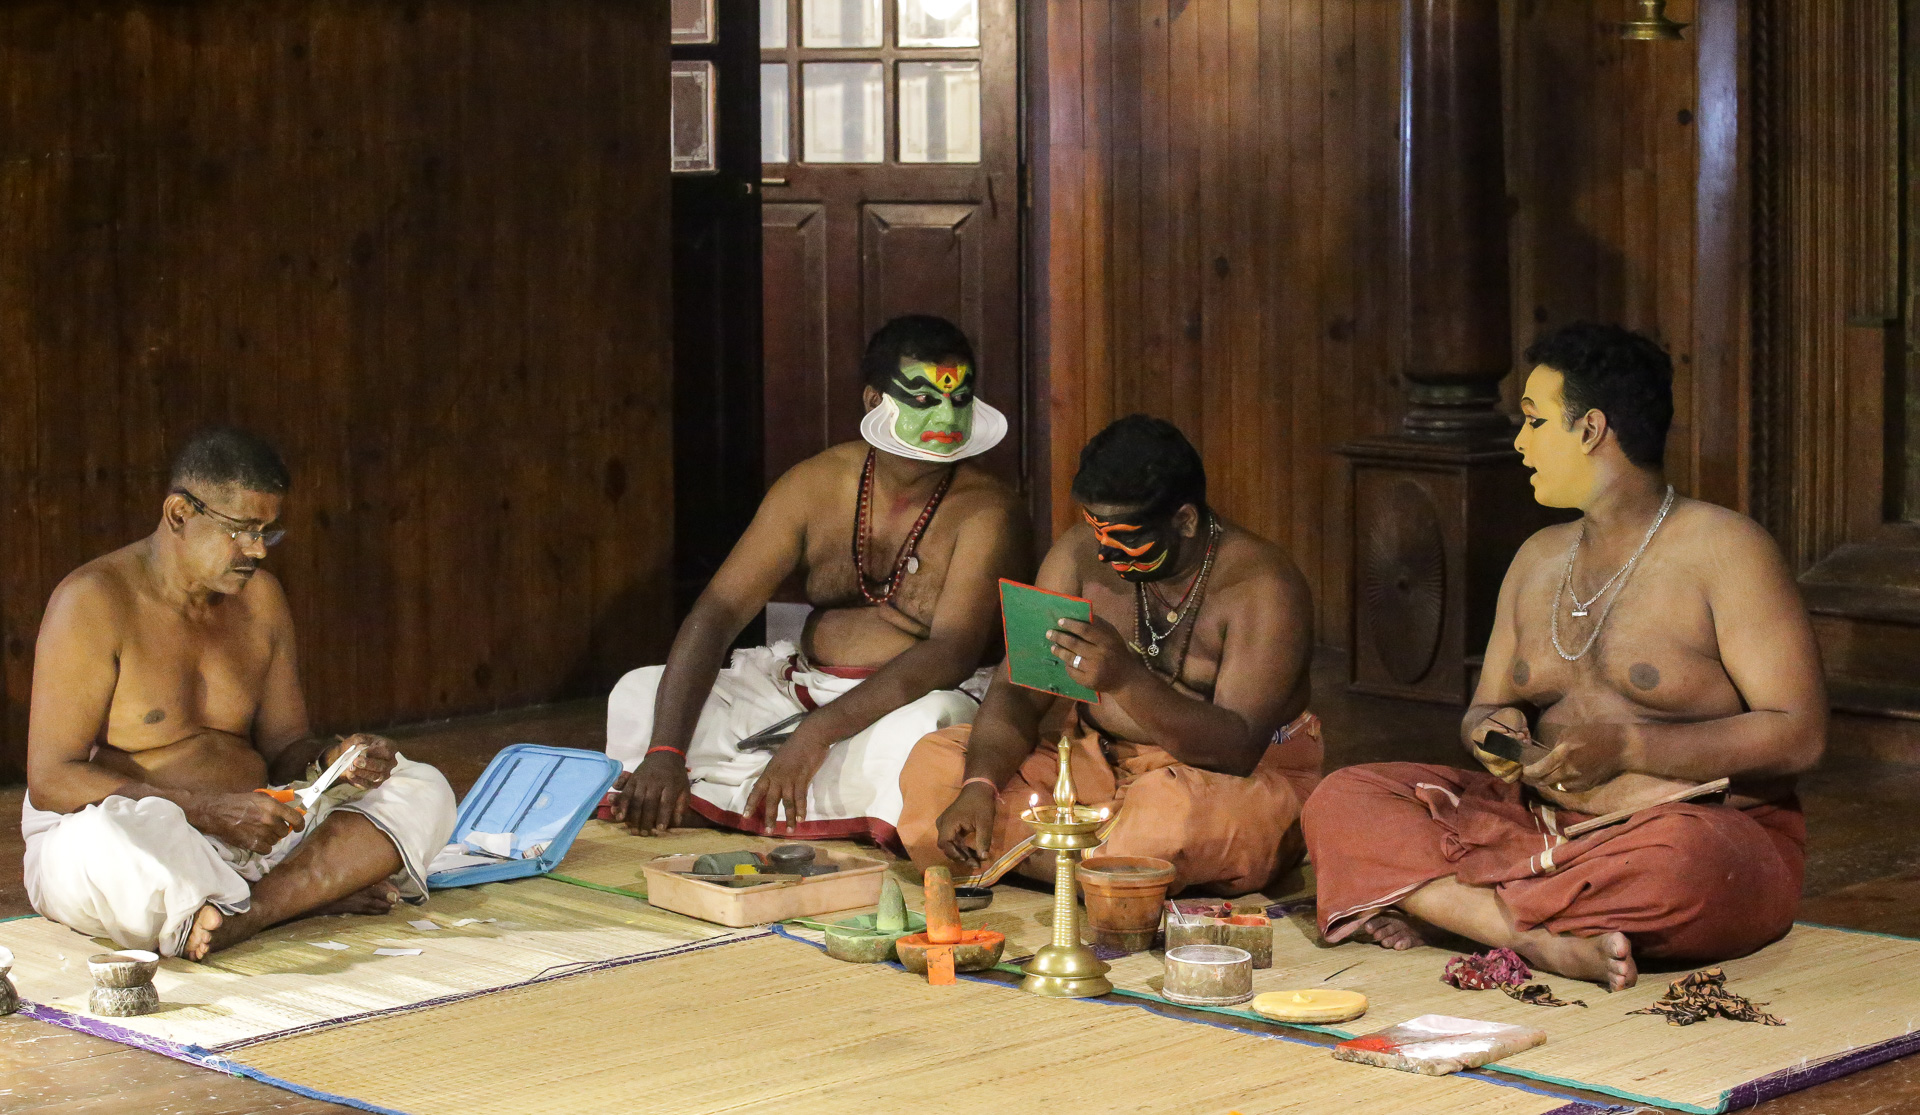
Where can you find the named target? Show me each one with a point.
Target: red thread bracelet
(991, 784)
(664, 747)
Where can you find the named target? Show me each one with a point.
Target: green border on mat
(556, 876)
(19, 917)
(1330, 1031)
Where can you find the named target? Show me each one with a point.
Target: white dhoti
(856, 792)
(136, 872)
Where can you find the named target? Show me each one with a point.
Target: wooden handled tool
(1704, 789)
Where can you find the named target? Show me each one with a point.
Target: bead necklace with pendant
(907, 560)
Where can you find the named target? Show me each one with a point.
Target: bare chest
(1645, 651)
(178, 676)
(832, 579)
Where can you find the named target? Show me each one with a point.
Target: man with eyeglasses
(166, 698)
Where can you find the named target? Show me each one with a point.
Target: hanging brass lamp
(1652, 24)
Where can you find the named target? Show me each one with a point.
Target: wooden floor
(1863, 872)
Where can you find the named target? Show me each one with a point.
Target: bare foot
(200, 937)
(1390, 929)
(1606, 960)
(375, 898)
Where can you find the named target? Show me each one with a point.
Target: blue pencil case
(522, 815)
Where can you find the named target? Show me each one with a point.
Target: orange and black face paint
(1135, 552)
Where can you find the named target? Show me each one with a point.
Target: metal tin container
(1208, 976)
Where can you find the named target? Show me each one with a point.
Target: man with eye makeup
(166, 699)
(1653, 646)
(898, 542)
(1200, 741)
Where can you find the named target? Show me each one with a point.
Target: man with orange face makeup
(1200, 741)
(898, 541)
(1653, 645)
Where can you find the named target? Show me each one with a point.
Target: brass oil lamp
(1652, 24)
(1066, 968)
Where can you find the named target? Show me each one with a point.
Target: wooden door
(890, 163)
(716, 285)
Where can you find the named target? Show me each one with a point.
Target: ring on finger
(1076, 661)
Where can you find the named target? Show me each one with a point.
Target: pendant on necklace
(1173, 618)
(1579, 613)
(913, 564)
(1154, 650)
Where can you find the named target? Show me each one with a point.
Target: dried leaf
(1539, 995)
(1701, 995)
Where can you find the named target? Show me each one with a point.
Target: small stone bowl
(978, 950)
(786, 857)
(129, 968)
(123, 1002)
(9, 999)
(857, 941)
(972, 898)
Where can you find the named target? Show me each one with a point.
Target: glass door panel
(939, 23)
(845, 112)
(939, 112)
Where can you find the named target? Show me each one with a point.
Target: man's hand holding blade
(1511, 722)
(371, 767)
(252, 821)
(1095, 654)
(652, 797)
(966, 827)
(783, 785)
(1584, 756)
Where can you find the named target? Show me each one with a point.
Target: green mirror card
(1027, 614)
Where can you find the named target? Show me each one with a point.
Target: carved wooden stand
(1435, 525)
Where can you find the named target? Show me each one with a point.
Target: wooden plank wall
(1828, 282)
(1219, 214)
(419, 247)
(1221, 209)
(1601, 157)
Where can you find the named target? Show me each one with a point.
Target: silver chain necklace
(1621, 575)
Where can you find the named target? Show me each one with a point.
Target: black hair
(1622, 374)
(912, 337)
(220, 456)
(1144, 464)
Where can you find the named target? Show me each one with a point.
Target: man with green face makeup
(899, 542)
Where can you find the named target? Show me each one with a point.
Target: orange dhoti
(1218, 830)
(1686, 881)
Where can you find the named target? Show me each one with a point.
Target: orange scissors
(303, 800)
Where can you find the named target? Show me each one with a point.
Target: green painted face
(935, 405)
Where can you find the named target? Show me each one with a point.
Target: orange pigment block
(940, 966)
(943, 911)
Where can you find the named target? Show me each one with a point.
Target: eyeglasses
(239, 532)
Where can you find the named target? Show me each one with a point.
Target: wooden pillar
(1440, 507)
(1453, 219)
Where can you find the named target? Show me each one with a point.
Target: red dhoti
(1217, 830)
(1685, 881)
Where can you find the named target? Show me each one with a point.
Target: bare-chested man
(1199, 646)
(900, 545)
(1654, 644)
(165, 692)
